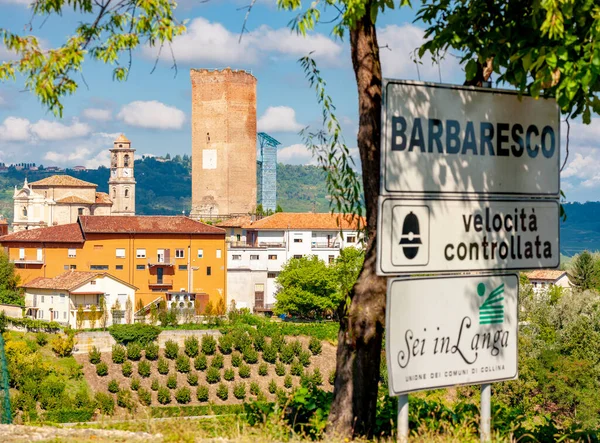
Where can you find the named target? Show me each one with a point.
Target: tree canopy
(10, 293)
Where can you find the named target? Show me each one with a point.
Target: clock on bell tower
(121, 184)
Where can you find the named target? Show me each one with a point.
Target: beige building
(543, 279)
(223, 142)
(60, 199)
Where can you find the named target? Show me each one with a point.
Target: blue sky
(153, 110)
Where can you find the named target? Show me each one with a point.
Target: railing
(271, 244)
(325, 245)
(165, 262)
(163, 282)
(28, 260)
(239, 244)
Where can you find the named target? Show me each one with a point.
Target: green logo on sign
(492, 309)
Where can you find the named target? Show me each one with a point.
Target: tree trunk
(361, 327)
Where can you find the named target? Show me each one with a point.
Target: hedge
(69, 415)
(192, 411)
(31, 325)
(138, 332)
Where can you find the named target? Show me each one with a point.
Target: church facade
(61, 199)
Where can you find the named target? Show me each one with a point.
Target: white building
(58, 299)
(544, 278)
(257, 250)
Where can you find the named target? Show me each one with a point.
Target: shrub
(144, 369)
(259, 341)
(250, 356)
(171, 349)
(145, 397)
(118, 354)
(244, 371)
(226, 344)
(315, 346)
(239, 390)
(127, 369)
(286, 355)
(154, 385)
(229, 374)
(202, 393)
(138, 332)
(191, 346)
(163, 366)
(278, 341)
(304, 358)
(213, 375)
(223, 391)
(102, 369)
(172, 381)
(332, 377)
(263, 369)
(217, 361)
(124, 400)
(95, 356)
(296, 347)
(296, 368)
(182, 364)
(287, 381)
(272, 386)
(200, 362)
(134, 351)
(163, 396)
(192, 379)
(183, 396)
(241, 340)
(209, 344)
(236, 359)
(151, 351)
(317, 378)
(280, 369)
(63, 346)
(113, 386)
(254, 388)
(105, 403)
(135, 384)
(270, 354)
(42, 339)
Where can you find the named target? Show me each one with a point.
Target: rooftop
(308, 221)
(145, 224)
(121, 138)
(74, 199)
(63, 180)
(70, 233)
(235, 222)
(545, 274)
(66, 281)
(102, 198)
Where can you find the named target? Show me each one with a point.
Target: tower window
(126, 193)
(80, 211)
(24, 211)
(114, 192)
(126, 160)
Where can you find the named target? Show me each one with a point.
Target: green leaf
(471, 69)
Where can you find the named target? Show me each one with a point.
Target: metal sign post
(403, 419)
(486, 413)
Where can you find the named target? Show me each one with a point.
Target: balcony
(163, 262)
(28, 260)
(160, 283)
(239, 244)
(275, 245)
(325, 245)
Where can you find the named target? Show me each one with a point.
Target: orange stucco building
(161, 256)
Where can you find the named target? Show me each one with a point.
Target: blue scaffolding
(266, 171)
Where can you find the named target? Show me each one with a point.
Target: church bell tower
(121, 184)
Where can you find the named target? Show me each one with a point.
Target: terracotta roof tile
(74, 199)
(66, 281)
(545, 274)
(145, 224)
(102, 198)
(70, 233)
(307, 220)
(63, 180)
(236, 222)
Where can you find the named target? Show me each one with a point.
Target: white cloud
(213, 44)
(397, 58)
(16, 2)
(14, 129)
(52, 130)
(152, 114)
(296, 154)
(279, 119)
(97, 114)
(77, 154)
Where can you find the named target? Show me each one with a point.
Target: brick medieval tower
(223, 142)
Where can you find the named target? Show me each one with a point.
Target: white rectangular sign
(468, 141)
(449, 331)
(449, 235)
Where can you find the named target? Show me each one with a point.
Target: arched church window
(126, 193)
(114, 161)
(126, 160)
(24, 211)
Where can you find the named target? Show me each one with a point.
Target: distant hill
(165, 187)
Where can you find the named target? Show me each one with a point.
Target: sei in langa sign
(449, 235)
(450, 331)
(441, 139)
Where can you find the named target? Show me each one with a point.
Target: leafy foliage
(229, 374)
(202, 393)
(226, 344)
(270, 354)
(236, 359)
(113, 386)
(127, 369)
(144, 396)
(250, 355)
(151, 351)
(94, 355)
(134, 351)
(102, 369)
(583, 274)
(192, 379)
(315, 346)
(183, 395)
(105, 403)
(144, 369)
(163, 395)
(135, 384)
(239, 390)
(171, 349)
(163, 366)
(119, 354)
(191, 346)
(263, 369)
(134, 333)
(213, 375)
(172, 381)
(63, 345)
(280, 369)
(155, 384)
(223, 391)
(217, 361)
(182, 364)
(286, 355)
(124, 400)
(244, 371)
(200, 362)
(209, 344)
(10, 292)
(272, 386)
